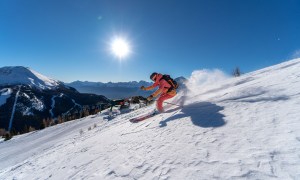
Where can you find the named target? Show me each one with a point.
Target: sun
(120, 47)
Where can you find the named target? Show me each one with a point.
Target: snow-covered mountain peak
(15, 75)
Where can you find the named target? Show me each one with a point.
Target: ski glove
(150, 98)
(143, 88)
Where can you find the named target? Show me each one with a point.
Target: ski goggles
(154, 77)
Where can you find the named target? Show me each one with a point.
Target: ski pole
(173, 104)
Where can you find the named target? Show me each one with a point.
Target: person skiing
(114, 103)
(166, 89)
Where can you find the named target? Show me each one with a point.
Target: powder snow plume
(202, 81)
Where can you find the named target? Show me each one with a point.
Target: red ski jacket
(163, 86)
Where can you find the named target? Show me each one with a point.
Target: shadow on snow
(203, 114)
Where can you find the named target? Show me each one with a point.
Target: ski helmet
(153, 75)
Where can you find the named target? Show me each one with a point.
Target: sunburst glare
(120, 47)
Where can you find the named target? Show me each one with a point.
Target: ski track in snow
(245, 128)
(52, 105)
(14, 109)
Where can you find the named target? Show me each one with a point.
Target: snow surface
(15, 75)
(4, 95)
(226, 128)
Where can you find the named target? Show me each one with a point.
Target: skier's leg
(161, 99)
(110, 112)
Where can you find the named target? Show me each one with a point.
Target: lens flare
(120, 47)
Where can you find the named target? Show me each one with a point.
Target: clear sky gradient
(69, 40)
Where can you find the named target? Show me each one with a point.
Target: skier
(166, 89)
(114, 103)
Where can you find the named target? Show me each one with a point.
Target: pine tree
(2, 132)
(52, 123)
(63, 118)
(31, 129)
(48, 122)
(25, 129)
(8, 136)
(81, 114)
(59, 120)
(44, 123)
(236, 72)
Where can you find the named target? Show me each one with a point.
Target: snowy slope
(15, 75)
(227, 128)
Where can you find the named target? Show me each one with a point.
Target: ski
(144, 117)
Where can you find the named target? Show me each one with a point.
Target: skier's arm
(156, 93)
(149, 87)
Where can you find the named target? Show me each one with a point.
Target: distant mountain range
(115, 90)
(111, 90)
(28, 97)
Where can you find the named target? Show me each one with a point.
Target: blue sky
(69, 40)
